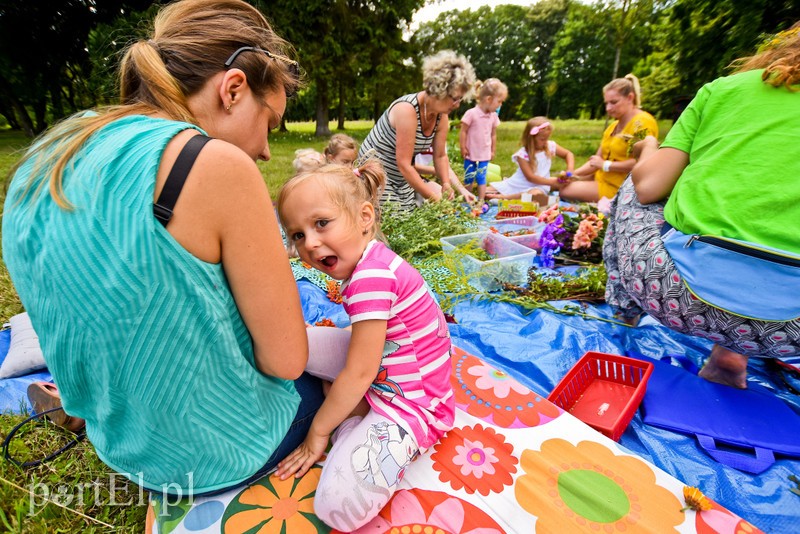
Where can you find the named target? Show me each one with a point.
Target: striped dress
(383, 139)
(413, 384)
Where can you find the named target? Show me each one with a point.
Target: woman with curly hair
(413, 123)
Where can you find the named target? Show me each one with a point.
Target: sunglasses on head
(291, 65)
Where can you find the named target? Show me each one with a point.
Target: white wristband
(607, 165)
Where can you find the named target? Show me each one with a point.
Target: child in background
(306, 159)
(423, 163)
(533, 174)
(391, 395)
(478, 137)
(341, 149)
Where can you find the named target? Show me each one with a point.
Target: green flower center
(593, 496)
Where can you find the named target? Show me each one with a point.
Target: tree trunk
(23, 120)
(617, 54)
(322, 109)
(11, 118)
(340, 125)
(376, 109)
(56, 103)
(40, 116)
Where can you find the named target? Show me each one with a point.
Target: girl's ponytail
(373, 178)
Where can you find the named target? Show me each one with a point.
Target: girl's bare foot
(725, 367)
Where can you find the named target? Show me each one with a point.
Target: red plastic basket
(603, 391)
(510, 214)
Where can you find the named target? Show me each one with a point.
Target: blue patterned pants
(642, 278)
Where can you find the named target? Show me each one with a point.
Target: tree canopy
(58, 57)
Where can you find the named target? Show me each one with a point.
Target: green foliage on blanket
(417, 233)
(445, 274)
(588, 283)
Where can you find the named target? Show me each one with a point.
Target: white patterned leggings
(369, 455)
(642, 277)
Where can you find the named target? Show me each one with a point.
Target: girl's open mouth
(328, 261)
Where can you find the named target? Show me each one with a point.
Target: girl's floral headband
(536, 129)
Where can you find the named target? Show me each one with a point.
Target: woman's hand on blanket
(303, 457)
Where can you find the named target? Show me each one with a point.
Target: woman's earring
(228, 107)
(365, 232)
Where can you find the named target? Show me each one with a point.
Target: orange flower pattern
(587, 487)
(495, 397)
(476, 459)
(272, 505)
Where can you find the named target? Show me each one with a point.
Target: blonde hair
(339, 142)
(780, 59)
(530, 141)
(446, 73)
(190, 42)
(625, 86)
(307, 159)
(347, 188)
(490, 87)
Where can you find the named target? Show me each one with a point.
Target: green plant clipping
(417, 233)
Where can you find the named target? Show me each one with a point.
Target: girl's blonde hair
(780, 59)
(339, 142)
(625, 86)
(348, 188)
(190, 42)
(490, 87)
(446, 73)
(532, 142)
(307, 159)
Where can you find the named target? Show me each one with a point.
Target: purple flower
(550, 245)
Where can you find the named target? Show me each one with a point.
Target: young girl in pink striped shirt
(390, 395)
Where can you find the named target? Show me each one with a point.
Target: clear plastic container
(509, 264)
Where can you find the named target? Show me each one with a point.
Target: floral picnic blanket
(514, 462)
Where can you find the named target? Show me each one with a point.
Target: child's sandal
(44, 396)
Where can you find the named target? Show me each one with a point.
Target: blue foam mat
(14, 391)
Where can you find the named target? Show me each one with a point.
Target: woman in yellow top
(605, 171)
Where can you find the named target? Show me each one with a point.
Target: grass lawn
(77, 479)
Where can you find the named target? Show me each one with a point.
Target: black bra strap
(163, 207)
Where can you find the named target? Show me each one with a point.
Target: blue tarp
(14, 391)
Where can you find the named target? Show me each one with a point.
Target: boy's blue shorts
(475, 171)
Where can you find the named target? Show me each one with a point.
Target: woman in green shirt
(728, 168)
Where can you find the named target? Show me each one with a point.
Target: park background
(59, 57)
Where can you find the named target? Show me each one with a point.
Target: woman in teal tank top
(179, 340)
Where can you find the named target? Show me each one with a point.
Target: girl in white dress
(533, 174)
